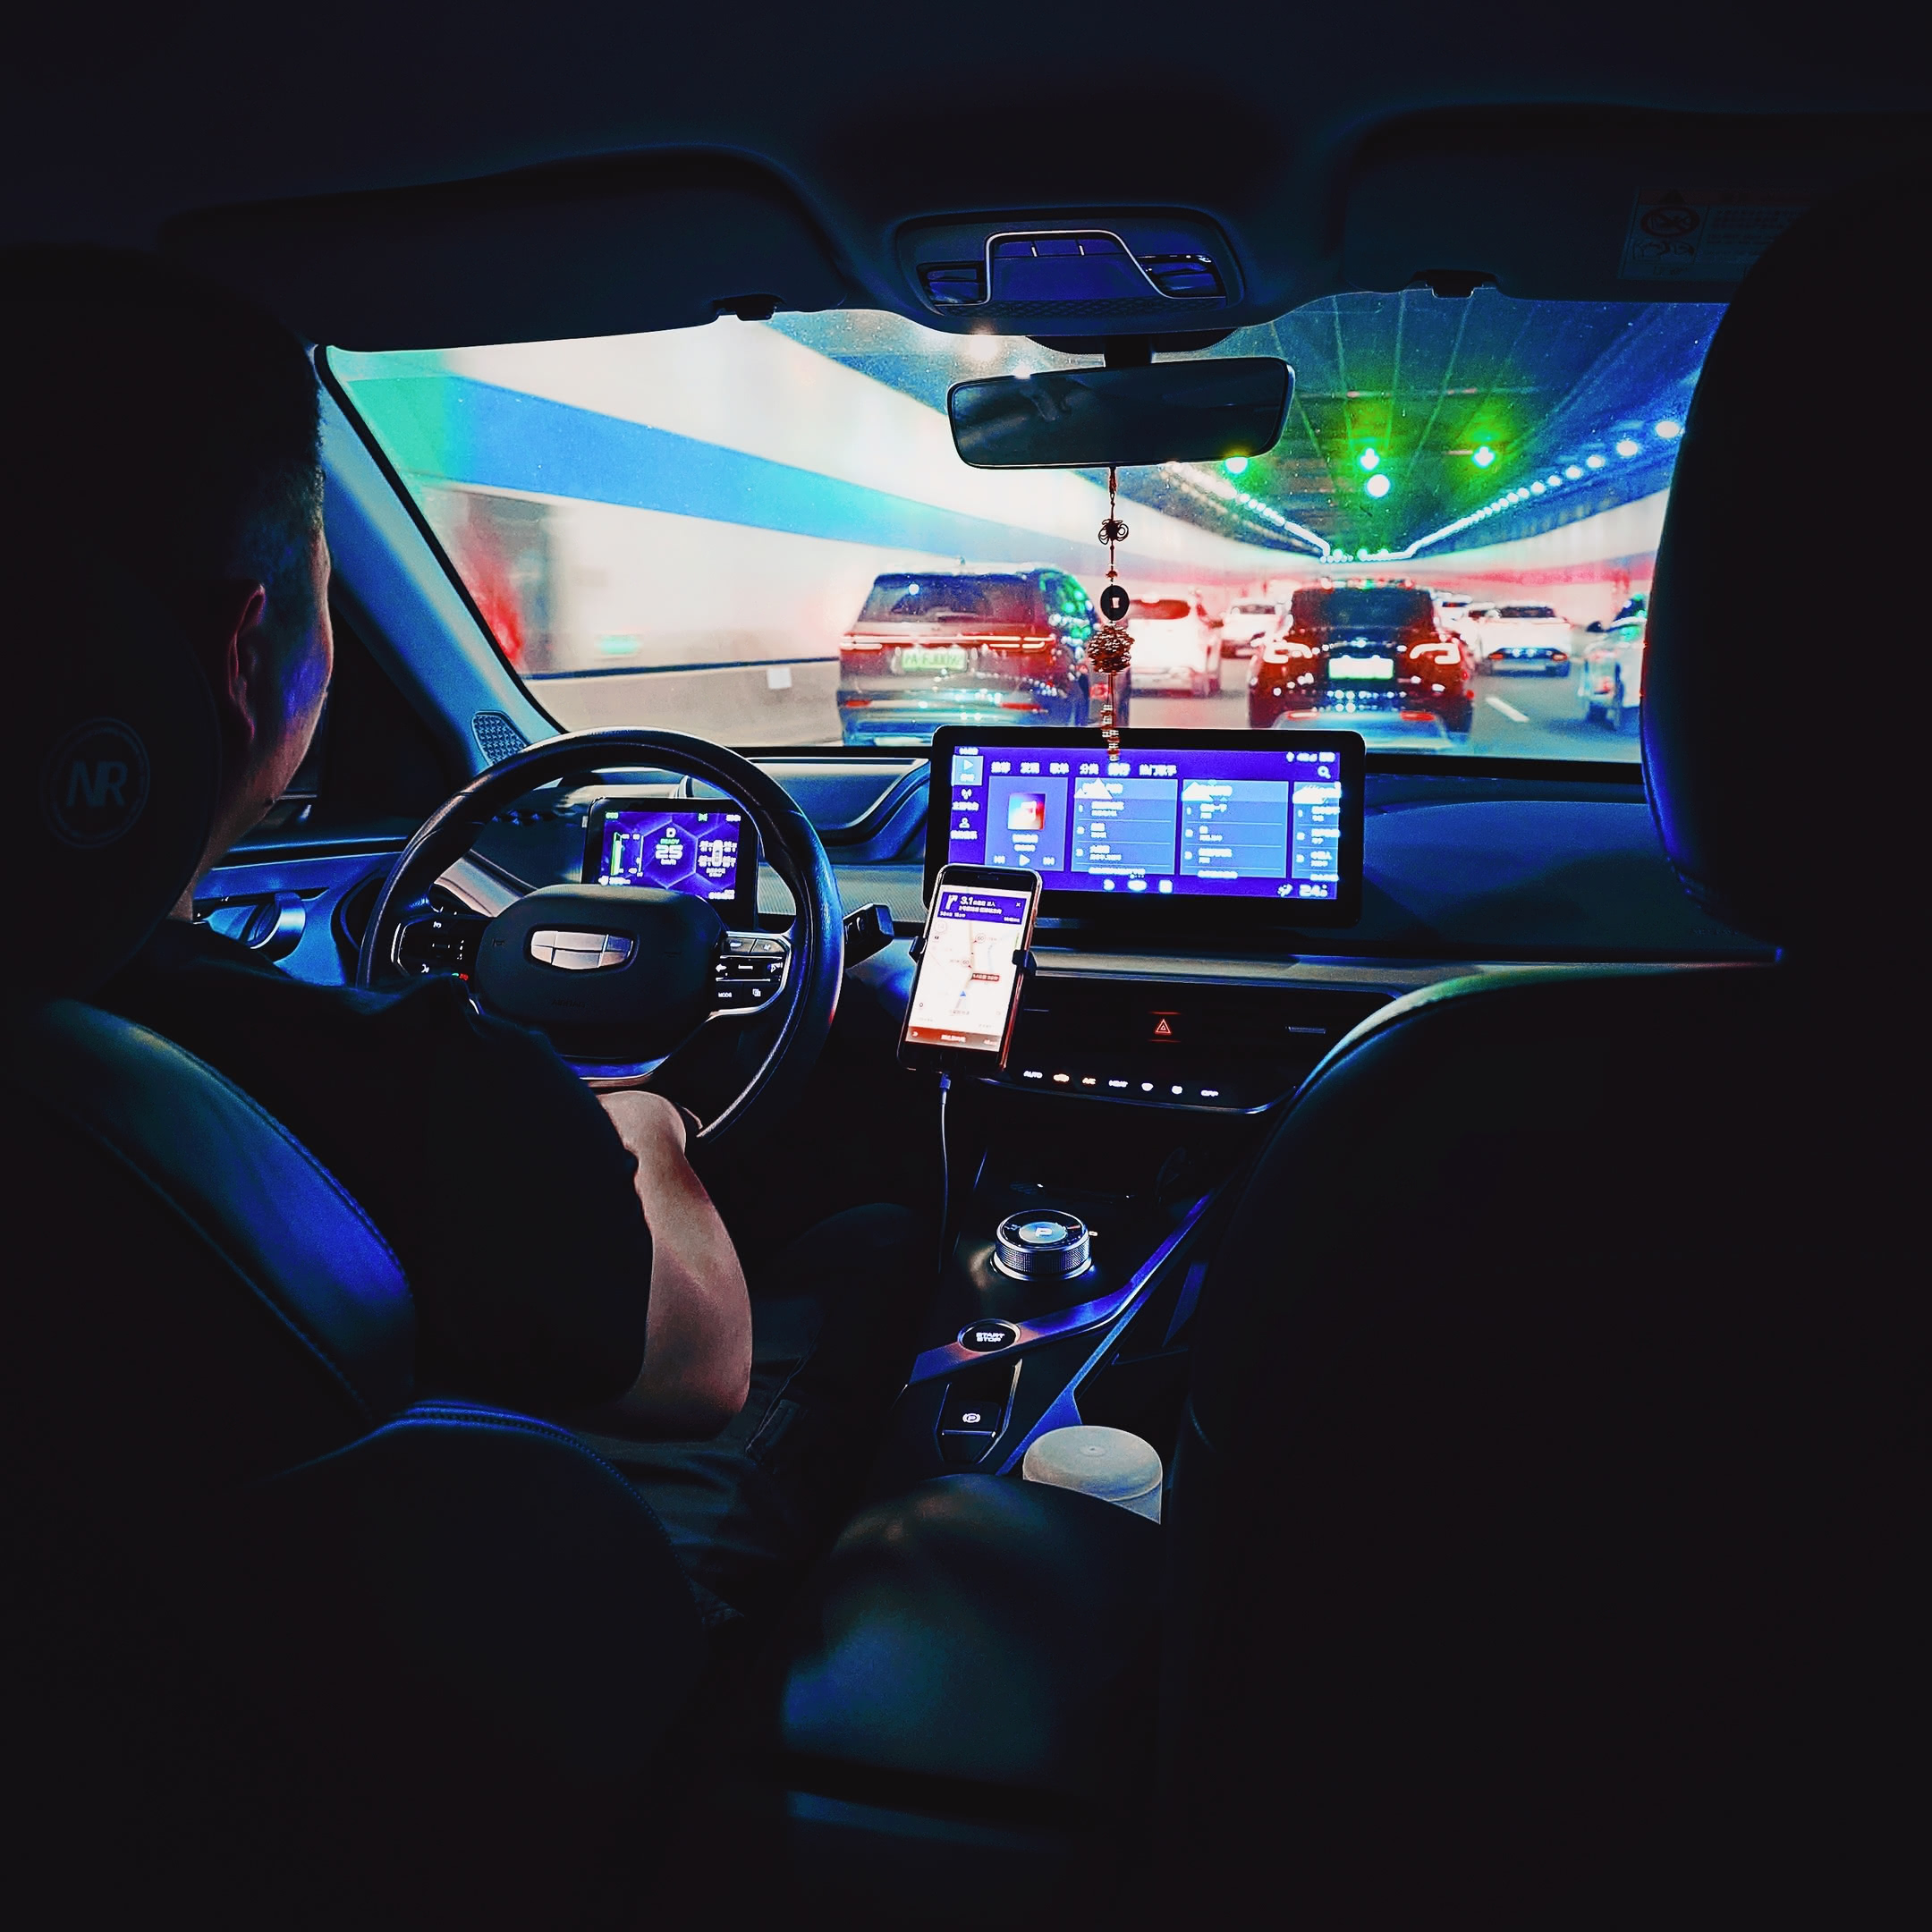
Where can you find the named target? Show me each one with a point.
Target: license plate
(914, 658)
(1361, 667)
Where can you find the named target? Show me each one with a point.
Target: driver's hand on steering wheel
(698, 1332)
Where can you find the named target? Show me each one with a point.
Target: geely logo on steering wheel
(570, 950)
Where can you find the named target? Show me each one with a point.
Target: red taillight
(1284, 651)
(1019, 643)
(861, 644)
(1020, 704)
(1415, 717)
(1437, 651)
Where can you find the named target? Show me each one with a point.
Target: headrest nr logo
(94, 784)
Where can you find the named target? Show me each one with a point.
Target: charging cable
(945, 1171)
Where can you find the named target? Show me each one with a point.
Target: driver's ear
(225, 623)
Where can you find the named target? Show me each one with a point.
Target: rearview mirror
(1091, 418)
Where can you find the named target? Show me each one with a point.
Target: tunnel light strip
(1216, 487)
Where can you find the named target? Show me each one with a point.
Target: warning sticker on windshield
(1683, 235)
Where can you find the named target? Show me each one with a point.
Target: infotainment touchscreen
(712, 854)
(1248, 819)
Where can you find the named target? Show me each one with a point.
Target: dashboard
(1463, 869)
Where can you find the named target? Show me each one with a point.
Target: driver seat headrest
(1772, 656)
(115, 768)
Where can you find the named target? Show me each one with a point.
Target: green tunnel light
(1482, 457)
(1234, 465)
(1368, 460)
(1377, 486)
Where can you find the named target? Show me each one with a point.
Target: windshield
(1362, 610)
(690, 528)
(992, 599)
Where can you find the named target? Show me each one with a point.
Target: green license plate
(914, 658)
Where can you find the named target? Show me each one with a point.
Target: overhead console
(1122, 273)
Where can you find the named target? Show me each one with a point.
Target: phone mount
(1023, 959)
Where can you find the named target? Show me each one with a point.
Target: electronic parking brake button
(984, 1337)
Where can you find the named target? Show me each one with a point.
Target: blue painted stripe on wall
(496, 438)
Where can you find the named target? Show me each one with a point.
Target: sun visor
(606, 248)
(1587, 205)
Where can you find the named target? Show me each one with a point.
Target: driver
(564, 1256)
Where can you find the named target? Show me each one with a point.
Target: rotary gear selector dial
(1042, 1244)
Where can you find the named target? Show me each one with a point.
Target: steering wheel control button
(580, 952)
(749, 971)
(983, 1337)
(1042, 1246)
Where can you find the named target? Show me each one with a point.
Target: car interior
(1444, 1165)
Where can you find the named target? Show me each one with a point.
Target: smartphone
(966, 996)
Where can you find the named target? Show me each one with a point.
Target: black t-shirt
(488, 1165)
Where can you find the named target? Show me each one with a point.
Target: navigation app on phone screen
(965, 991)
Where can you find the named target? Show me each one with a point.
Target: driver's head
(154, 422)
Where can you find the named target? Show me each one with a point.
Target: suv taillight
(1438, 650)
(851, 643)
(1285, 651)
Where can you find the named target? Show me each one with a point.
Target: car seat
(1536, 1556)
(288, 1645)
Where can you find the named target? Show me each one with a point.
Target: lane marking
(1508, 710)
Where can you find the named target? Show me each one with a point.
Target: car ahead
(1610, 684)
(1245, 625)
(1521, 637)
(1174, 647)
(1368, 656)
(992, 648)
(1632, 607)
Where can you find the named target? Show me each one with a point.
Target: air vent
(497, 737)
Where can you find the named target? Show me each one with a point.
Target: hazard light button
(1164, 1027)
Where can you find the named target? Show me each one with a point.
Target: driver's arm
(697, 1329)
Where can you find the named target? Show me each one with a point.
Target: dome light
(1368, 460)
(1482, 457)
(1626, 448)
(1377, 485)
(1593, 461)
(1234, 465)
(1668, 430)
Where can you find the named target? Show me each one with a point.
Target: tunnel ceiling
(1416, 383)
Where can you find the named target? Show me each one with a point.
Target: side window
(373, 761)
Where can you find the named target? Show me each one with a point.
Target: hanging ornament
(1111, 645)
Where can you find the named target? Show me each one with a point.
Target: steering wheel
(629, 974)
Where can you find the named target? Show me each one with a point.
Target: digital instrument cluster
(711, 854)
